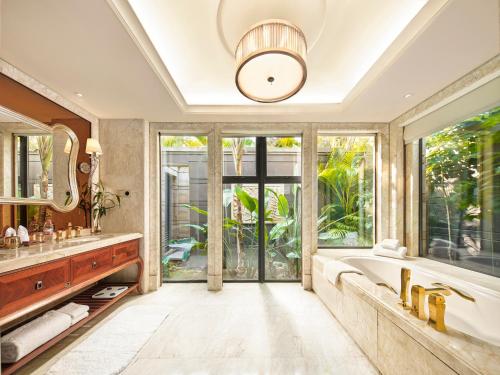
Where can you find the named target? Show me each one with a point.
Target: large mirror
(37, 162)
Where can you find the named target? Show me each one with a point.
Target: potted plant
(102, 202)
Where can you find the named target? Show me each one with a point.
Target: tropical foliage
(461, 164)
(102, 202)
(345, 187)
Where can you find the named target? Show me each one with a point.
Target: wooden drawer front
(124, 252)
(88, 265)
(22, 288)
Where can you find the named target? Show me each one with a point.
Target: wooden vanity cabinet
(124, 252)
(47, 282)
(22, 288)
(87, 265)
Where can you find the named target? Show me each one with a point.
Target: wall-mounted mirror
(37, 162)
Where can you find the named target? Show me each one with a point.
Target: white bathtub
(479, 319)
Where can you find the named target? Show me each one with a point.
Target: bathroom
(272, 187)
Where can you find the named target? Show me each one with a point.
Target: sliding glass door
(262, 208)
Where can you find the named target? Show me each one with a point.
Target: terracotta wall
(23, 100)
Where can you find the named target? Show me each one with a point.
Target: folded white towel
(334, 269)
(390, 244)
(79, 317)
(73, 309)
(22, 341)
(400, 253)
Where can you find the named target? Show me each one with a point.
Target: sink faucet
(69, 231)
(405, 283)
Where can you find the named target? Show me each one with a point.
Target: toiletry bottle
(48, 230)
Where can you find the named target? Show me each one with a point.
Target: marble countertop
(25, 256)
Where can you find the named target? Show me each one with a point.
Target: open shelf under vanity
(96, 307)
(28, 292)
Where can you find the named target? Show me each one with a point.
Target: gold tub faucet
(405, 283)
(437, 307)
(437, 303)
(418, 294)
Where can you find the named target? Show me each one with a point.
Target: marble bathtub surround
(215, 132)
(14, 259)
(393, 339)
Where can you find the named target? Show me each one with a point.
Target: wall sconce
(93, 148)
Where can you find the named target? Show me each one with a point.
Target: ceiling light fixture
(79, 94)
(408, 96)
(271, 61)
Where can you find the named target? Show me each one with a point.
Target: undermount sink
(83, 239)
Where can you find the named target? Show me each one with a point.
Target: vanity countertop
(25, 256)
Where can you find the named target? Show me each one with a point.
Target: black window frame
(261, 179)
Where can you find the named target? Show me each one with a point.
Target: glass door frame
(261, 179)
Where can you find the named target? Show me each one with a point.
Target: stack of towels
(390, 248)
(75, 311)
(22, 341)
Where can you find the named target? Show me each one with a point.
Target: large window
(261, 205)
(346, 190)
(184, 230)
(461, 194)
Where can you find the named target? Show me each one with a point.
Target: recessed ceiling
(99, 48)
(345, 39)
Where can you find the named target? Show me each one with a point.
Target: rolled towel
(335, 268)
(390, 244)
(10, 232)
(22, 341)
(400, 253)
(74, 310)
(79, 317)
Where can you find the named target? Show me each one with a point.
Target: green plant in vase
(102, 202)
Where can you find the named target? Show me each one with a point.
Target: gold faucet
(69, 231)
(405, 283)
(437, 306)
(459, 292)
(418, 294)
(78, 231)
(437, 303)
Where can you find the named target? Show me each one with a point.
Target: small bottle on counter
(48, 230)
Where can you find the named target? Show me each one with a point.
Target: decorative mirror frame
(71, 164)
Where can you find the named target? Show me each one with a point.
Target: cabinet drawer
(124, 252)
(87, 265)
(22, 288)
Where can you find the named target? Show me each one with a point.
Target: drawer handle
(94, 264)
(39, 285)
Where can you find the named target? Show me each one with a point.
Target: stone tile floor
(275, 328)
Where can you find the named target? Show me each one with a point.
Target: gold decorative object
(271, 61)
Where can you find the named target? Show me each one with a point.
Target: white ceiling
(345, 39)
(99, 48)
